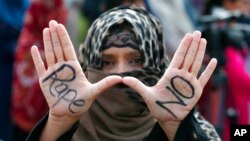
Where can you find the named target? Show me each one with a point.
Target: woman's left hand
(180, 88)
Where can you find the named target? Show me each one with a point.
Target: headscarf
(120, 36)
(147, 30)
(120, 113)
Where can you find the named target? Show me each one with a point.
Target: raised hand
(65, 87)
(180, 88)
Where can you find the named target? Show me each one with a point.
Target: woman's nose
(122, 67)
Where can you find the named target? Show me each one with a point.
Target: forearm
(56, 127)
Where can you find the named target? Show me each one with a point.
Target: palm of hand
(64, 85)
(179, 89)
(61, 84)
(175, 96)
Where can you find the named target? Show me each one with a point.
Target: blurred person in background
(228, 37)
(77, 25)
(11, 22)
(28, 104)
(177, 18)
(237, 60)
(94, 8)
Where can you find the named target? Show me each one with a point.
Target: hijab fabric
(146, 28)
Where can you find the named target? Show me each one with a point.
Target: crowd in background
(224, 23)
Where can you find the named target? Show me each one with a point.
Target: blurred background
(224, 23)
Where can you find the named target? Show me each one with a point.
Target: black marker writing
(177, 94)
(59, 87)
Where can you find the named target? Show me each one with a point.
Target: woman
(125, 93)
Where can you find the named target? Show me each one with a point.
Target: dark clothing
(189, 130)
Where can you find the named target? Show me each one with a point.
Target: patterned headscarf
(147, 31)
(120, 36)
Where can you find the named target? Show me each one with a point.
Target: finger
(205, 76)
(55, 41)
(39, 65)
(49, 53)
(191, 53)
(68, 49)
(135, 84)
(181, 51)
(199, 57)
(105, 83)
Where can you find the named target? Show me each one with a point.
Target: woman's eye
(107, 63)
(136, 61)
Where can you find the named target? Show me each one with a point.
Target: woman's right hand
(67, 91)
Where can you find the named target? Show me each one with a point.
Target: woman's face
(122, 59)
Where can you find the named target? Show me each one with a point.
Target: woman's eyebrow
(107, 56)
(134, 54)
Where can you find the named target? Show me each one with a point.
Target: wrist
(62, 120)
(57, 126)
(170, 128)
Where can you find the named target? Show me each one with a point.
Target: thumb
(135, 84)
(106, 83)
